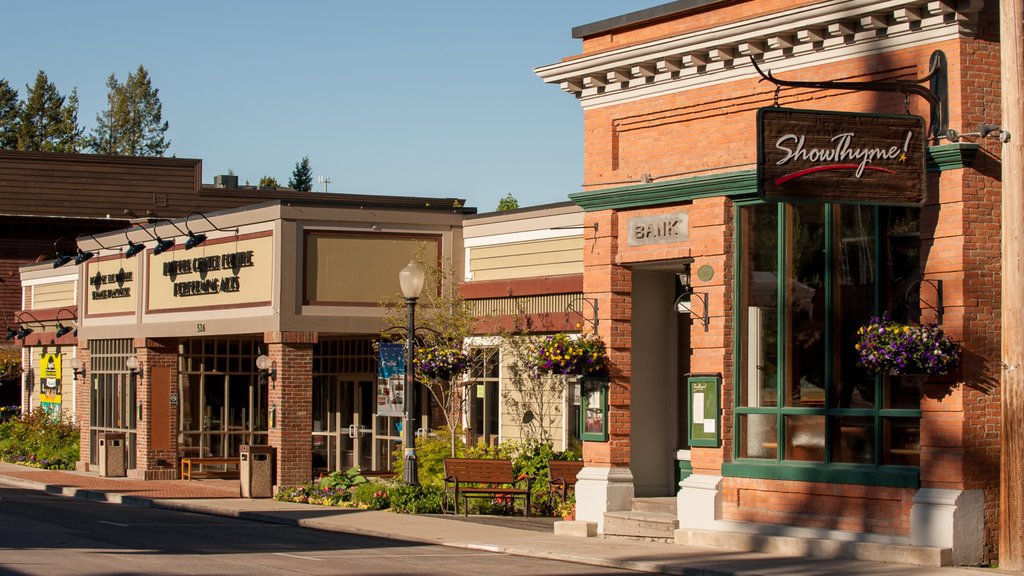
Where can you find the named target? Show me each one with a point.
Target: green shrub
(430, 454)
(40, 439)
(373, 495)
(415, 499)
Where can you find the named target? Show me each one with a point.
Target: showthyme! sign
(842, 157)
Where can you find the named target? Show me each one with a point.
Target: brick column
(83, 401)
(290, 399)
(156, 450)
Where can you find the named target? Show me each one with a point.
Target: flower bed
(885, 346)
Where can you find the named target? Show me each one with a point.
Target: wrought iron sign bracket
(576, 305)
(921, 304)
(934, 93)
(705, 317)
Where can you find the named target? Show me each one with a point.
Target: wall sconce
(684, 302)
(23, 332)
(76, 367)
(132, 364)
(266, 367)
(11, 333)
(133, 248)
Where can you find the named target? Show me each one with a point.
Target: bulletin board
(703, 416)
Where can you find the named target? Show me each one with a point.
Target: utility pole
(1011, 459)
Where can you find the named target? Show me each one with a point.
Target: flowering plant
(441, 362)
(562, 354)
(10, 365)
(887, 346)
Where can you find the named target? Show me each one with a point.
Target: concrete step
(644, 525)
(662, 505)
(815, 547)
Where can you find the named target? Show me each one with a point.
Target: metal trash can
(256, 470)
(113, 457)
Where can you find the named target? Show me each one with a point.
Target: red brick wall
(83, 399)
(291, 398)
(153, 463)
(831, 506)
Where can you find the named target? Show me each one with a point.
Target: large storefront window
(224, 401)
(809, 276)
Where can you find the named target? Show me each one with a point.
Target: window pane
(853, 302)
(805, 438)
(853, 439)
(759, 438)
(903, 391)
(805, 306)
(903, 264)
(901, 441)
(760, 307)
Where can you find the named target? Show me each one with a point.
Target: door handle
(352, 431)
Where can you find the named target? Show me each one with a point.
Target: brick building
(713, 293)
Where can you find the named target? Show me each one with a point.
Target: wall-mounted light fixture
(162, 244)
(61, 328)
(85, 255)
(11, 333)
(23, 330)
(133, 248)
(62, 258)
(267, 370)
(983, 132)
(76, 367)
(132, 364)
(197, 238)
(684, 300)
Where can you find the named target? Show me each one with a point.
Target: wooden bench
(188, 461)
(562, 476)
(467, 478)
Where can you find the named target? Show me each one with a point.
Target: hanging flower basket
(441, 362)
(10, 366)
(560, 353)
(884, 346)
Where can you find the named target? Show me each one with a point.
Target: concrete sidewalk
(220, 497)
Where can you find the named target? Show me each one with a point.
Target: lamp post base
(409, 472)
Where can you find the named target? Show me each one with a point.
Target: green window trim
(864, 475)
(588, 386)
(779, 468)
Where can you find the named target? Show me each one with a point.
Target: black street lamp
(411, 279)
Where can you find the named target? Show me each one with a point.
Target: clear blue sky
(403, 97)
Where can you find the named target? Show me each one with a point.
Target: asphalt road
(46, 535)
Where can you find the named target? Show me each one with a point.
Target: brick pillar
(83, 400)
(290, 399)
(156, 450)
(606, 484)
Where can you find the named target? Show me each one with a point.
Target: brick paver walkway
(130, 487)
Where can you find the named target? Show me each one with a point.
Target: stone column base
(600, 490)
(954, 519)
(699, 502)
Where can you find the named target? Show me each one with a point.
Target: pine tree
(70, 133)
(9, 111)
(132, 124)
(302, 177)
(42, 117)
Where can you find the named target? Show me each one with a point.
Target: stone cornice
(829, 31)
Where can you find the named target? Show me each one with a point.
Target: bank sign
(841, 157)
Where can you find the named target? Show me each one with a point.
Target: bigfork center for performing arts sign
(842, 157)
